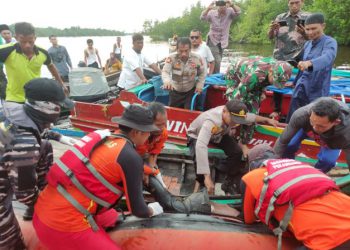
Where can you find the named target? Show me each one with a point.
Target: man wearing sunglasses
(220, 15)
(217, 126)
(203, 50)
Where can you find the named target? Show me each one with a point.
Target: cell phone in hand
(301, 22)
(283, 23)
(293, 63)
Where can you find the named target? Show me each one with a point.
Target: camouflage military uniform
(288, 42)
(246, 79)
(184, 77)
(24, 161)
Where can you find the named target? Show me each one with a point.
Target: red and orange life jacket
(289, 182)
(74, 168)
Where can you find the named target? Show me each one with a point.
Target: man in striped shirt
(25, 157)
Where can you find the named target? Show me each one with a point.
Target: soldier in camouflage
(246, 79)
(183, 75)
(25, 157)
(289, 39)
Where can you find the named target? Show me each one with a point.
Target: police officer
(217, 126)
(25, 157)
(247, 78)
(183, 74)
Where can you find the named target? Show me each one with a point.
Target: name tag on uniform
(177, 66)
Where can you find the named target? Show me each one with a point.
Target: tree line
(252, 25)
(74, 31)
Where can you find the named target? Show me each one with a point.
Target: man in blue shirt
(60, 58)
(316, 65)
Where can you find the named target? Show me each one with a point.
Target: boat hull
(179, 231)
(89, 117)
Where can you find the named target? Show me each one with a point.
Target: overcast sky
(122, 15)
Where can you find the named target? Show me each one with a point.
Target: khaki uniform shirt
(208, 127)
(184, 76)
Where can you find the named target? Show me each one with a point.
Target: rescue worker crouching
(319, 216)
(153, 146)
(195, 203)
(107, 167)
(25, 156)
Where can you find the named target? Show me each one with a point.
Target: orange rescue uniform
(320, 223)
(58, 213)
(154, 144)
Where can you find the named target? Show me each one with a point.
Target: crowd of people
(72, 200)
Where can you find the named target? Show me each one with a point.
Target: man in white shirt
(203, 50)
(132, 71)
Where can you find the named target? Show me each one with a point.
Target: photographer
(289, 34)
(220, 15)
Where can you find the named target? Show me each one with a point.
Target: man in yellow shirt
(23, 61)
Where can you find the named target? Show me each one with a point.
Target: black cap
(239, 112)
(315, 18)
(45, 89)
(137, 117)
(4, 27)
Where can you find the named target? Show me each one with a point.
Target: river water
(154, 50)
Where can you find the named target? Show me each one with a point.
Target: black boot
(231, 185)
(195, 203)
(28, 213)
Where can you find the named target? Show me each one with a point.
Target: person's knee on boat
(211, 127)
(120, 171)
(319, 222)
(325, 120)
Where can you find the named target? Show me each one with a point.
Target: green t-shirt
(20, 70)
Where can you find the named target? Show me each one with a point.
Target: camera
(220, 3)
(283, 23)
(301, 22)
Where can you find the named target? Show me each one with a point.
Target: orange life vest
(289, 182)
(74, 168)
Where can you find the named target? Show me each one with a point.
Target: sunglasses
(194, 37)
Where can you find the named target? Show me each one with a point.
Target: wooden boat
(90, 116)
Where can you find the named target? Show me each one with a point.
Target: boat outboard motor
(88, 84)
(195, 203)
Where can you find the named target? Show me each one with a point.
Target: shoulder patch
(216, 129)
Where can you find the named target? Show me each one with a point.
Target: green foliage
(337, 18)
(74, 31)
(180, 26)
(253, 24)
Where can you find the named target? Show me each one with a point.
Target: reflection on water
(155, 51)
(76, 45)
